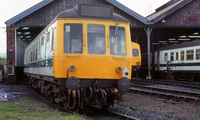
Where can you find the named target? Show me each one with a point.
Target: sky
(10, 8)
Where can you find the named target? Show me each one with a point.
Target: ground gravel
(153, 107)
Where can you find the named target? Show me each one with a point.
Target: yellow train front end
(136, 59)
(93, 49)
(94, 56)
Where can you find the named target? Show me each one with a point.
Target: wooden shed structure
(175, 22)
(24, 27)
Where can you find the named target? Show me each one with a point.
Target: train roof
(100, 12)
(181, 45)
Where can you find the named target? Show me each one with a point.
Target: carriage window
(166, 57)
(42, 48)
(33, 54)
(176, 55)
(190, 54)
(172, 56)
(96, 39)
(135, 52)
(47, 45)
(73, 40)
(36, 52)
(117, 41)
(52, 44)
(182, 55)
(197, 54)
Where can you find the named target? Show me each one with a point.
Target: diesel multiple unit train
(84, 56)
(182, 60)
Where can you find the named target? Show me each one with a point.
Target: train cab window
(96, 39)
(135, 52)
(73, 38)
(47, 45)
(190, 54)
(165, 57)
(182, 55)
(117, 41)
(197, 54)
(172, 56)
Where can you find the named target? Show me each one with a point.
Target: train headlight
(119, 69)
(72, 68)
(126, 72)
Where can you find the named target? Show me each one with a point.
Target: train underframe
(80, 92)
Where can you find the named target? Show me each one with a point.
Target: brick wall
(11, 45)
(11, 48)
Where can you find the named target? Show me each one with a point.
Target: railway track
(88, 112)
(170, 90)
(99, 114)
(195, 85)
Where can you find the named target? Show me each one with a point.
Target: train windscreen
(96, 39)
(117, 41)
(73, 38)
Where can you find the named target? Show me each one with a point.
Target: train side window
(182, 55)
(36, 52)
(172, 56)
(31, 54)
(42, 48)
(117, 41)
(166, 57)
(33, 59)
(52, 44)
(197, 54)
(96, 39)
(73, 38)
(190, 54)
(47, 45)
(135, 52)
(177, 55)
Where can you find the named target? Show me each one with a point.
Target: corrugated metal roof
(46, 2)
(157, 16)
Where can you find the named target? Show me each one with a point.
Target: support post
(148, 32)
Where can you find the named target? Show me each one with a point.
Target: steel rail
(168, 92)
(195, 85)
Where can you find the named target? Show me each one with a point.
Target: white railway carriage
(181, 59)
(39, 55)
